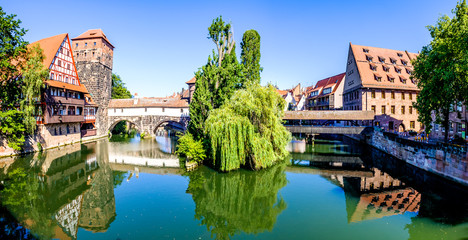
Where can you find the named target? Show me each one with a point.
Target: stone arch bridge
(148, 114)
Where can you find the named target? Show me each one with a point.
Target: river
(126, 188)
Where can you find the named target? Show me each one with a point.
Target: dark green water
(132, 189)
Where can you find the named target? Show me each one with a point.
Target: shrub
(191, 149)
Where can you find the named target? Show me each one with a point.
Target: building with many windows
(378, 80)
(62, 101)
(327, 94)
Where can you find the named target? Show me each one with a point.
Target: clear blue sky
(160, 44)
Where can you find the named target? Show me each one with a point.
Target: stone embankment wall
(445, 160)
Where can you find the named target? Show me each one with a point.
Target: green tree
(250, 56)
(119, 91)
(441, 69)
(12, 46)
(190, 148)
(33, 76)
(218, 79)
(247, 130)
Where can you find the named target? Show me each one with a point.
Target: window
(385, 68)
(181, 110)
(383, 109)
(410, 96)
(409, 71)
(373, 67)
(369, 58)
(51, 75)
(365, 50)
(411, 124)
(85, 44)
(85, 54)
(60, 77)
(410, 109)
(314, 93)
(55, 131)
(66, 79)
(398, 70)
(459, 127)
(327, 90)
(403, 96)
(59, 63)
(390, 78)
(76, 45)
(393, 61)
(399, 54)
(381, 59)
(403, 80)
(383, 94)
(393, 95)
(402, 109)
(373, 108)
(377, 78)
(392, 109)
(163, 109)
(93, 54)
(404, 62)
(373, 94)
(94, 43)
(68, 66)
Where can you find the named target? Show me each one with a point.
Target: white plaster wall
(150, 111)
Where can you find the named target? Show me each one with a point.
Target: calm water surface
(130, 189)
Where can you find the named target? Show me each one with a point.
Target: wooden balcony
(88, 132)
(65, 118)
(89, 118)
(65, 100)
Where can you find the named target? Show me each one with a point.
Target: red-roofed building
(378, 80)
(327, 94)
(63, 98)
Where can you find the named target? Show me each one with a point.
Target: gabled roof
(50, 46)
(367, 74)
(193, 80)
(93, 33)
(332, 82)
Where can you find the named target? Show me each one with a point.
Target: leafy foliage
(239, 201)
(441, 69)
(217, 80)
(191, 149)
(247, 130)
(119, 91)
(12, 46)
(250, 56)
(33, 75)
(12, 128)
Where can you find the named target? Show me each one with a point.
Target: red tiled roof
(93, 33)
(79, 88)
(367, 75)
(193, 80)
(171, 102)
(282, 92)
(332, 82)
(50, 46)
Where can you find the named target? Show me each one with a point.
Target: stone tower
(94, 56)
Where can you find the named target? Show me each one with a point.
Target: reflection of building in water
(296, 146)
(67, 216)
(98, 208)
(377, 196)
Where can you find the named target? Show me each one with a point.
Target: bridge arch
(177, 124)
(133, 122)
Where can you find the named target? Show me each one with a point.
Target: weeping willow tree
(247, 130)
(239, 201)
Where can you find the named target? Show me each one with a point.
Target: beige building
(378, 80)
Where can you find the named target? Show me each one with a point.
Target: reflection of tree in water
(238, 201)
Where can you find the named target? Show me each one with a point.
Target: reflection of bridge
(148, 114)
(325, 117)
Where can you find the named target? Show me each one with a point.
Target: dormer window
(365, 50)
(385, 68)
(369, 57)
(403, 80)
(400, 54)
(398, 70)
(409, 71)
(382, 59)
(390, 78)
(377, 77)
(373, 67)
(404, 62)
(393, 60)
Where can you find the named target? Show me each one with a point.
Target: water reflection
(240, 201)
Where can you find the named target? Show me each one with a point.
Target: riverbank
(449, 162)
(35, 144)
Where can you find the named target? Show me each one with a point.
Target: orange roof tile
(367, 75)
(50, 46)
(79, 88)
(193, 80)
(93, 33)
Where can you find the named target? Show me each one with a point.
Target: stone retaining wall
(446, 160)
